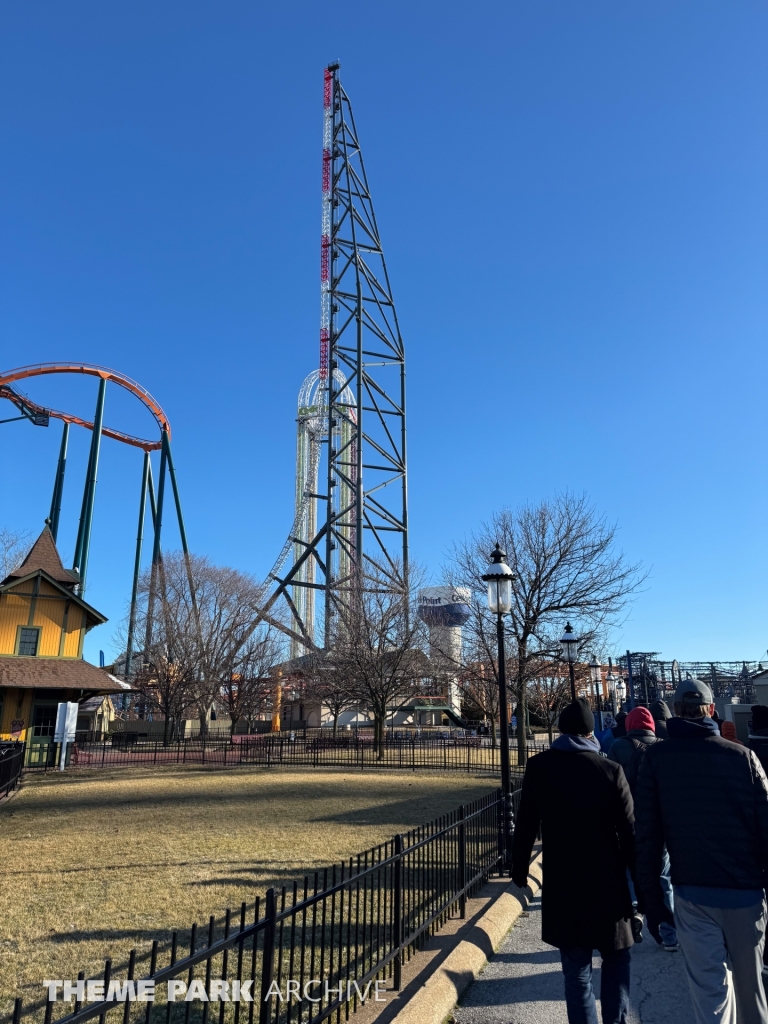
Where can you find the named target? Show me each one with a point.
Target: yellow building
(43, 623)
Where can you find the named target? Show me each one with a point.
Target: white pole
(63, 755)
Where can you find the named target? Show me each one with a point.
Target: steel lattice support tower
(367, 517)
(362, 516)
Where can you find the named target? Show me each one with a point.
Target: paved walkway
(523, 983)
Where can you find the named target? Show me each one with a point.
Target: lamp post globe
(499, 581)
(621, 692)
(570, 646)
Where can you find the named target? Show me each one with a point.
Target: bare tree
(165, 685)
(548, 693)
(377, 647)
(324, 685)
(169, 664)
(480, 692)
(14, 547)
(565, 566)
(249, 691)
(203, 620)
(224, 610)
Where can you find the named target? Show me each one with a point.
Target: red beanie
(640, 718)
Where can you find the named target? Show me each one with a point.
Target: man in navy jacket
(707, 800)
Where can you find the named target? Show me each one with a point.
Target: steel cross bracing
(362, 518)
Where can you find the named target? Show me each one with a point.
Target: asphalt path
(523, 983)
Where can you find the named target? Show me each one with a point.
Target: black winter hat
(577, 719)
(660, 711)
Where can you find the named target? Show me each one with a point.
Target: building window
(44, 722)
(28, 638)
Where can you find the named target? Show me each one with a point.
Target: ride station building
(43, 622)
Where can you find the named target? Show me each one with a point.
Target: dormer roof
(43, 555)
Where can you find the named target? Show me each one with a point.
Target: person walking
(628, 751)
(661, 714)
(581, 802)
(706, 798)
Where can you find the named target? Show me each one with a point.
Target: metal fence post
(397, 913)
(502, 841)
(268, 956)
(462, 863)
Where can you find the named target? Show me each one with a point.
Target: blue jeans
(614, 986)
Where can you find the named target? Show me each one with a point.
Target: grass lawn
(95, 863)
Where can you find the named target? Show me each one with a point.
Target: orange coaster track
(40, 369)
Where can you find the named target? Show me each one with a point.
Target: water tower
(445, 610)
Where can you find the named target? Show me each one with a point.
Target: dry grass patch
(94, 864)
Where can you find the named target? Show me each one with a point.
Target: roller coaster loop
(40, 416)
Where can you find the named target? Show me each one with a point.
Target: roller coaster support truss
(364, 532)
(40, 416)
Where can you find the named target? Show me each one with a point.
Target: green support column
(86, 521)
(156, 556)
(174, 485)
(58, 487)
(182, 530)
(137, 565)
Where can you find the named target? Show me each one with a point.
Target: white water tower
(445, 610)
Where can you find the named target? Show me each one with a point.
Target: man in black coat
(661, 715)
(581, 802)
(707, 800)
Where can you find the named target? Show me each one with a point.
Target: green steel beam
(90, 486)
(58, 487)
(145, 478)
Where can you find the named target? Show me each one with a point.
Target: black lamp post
(596, 674)
(570, 642)
(499, 580)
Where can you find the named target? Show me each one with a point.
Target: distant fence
(444, 754)
(11, 764)
(331, 935)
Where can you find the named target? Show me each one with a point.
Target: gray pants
(723, 952)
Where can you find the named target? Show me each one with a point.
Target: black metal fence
(464, 755)
(11, 764)
(307, 952)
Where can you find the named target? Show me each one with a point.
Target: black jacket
(628, 752)
(661, 716)
(582, 803)
(707, 799)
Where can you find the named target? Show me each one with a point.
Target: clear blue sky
(573, 204)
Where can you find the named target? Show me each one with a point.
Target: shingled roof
(58, 674)
(43, 555)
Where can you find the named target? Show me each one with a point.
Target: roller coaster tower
(351, 522)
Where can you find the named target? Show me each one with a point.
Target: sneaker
(671, 947)
(637, 927)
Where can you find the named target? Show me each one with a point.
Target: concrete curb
(435, 1000)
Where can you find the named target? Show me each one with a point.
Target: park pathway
(523, 983)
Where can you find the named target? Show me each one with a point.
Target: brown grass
(94, 864)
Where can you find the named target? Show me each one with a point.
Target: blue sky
(573, 205)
